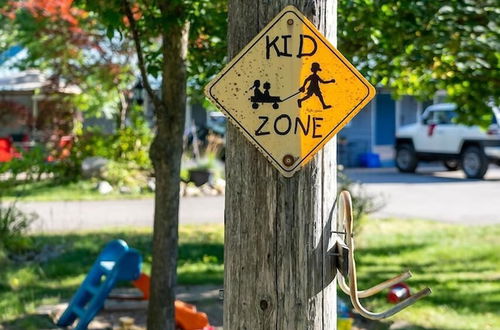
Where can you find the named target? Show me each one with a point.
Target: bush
(32, 163)
(132, 145)
(128, 146)
(125, 174)
(13, 226)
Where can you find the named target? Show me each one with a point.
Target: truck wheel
(451, 164)
(474, 162)
(406, 159)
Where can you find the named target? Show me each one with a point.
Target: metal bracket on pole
(343, 260)
(340, 257)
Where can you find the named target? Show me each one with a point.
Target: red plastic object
(398, 292)
(7, 150)
(186, 315)
(430, 129)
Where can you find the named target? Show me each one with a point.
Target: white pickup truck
(438, 138)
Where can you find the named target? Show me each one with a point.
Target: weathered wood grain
(277, 230)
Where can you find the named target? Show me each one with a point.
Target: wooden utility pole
(277, 229)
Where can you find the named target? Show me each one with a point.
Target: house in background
(17, 99)
(30, 104)
(373, 130)
(27, 101)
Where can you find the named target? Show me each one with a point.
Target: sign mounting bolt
(288, 160)
(290, 21)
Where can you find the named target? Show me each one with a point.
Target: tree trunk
(123, 105)
(165, 153)
(277, 230)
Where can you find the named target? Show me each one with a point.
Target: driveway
(434, 193)
(83, 215)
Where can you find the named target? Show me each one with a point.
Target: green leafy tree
(72, 48)
(81, 42)
(207, 45)
(420, 47)
(69, 45)
(162, 32)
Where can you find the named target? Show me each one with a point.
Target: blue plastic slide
(117, 262)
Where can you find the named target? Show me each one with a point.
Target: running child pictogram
(313, 89)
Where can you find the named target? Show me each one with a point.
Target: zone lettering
(284, 125)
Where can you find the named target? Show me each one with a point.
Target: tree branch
(140, 56)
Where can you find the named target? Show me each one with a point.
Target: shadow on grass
(362, 323)
(30, 322)
(392, 249)
(463, 295)
(455, 280)
(82, 250)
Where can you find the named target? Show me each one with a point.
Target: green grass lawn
(461, 264)
(25, 286)
(47, 190)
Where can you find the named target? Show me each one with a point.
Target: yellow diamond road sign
(289, 91)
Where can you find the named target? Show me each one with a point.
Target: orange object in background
(186, 316)
(62, 149)
(143, 284)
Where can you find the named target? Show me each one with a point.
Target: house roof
(30, 80)
(22, 81)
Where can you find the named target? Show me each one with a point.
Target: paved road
(435, 194)
(432, 193)
(71, 216)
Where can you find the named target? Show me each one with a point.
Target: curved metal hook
(346, 209)
(375, 289)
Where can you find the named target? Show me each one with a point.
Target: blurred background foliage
(420, 47)
(413, 47)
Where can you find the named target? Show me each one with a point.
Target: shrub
(32, 164)
(125, 174)
(132, 145)
(13, 226)
(362, 202)
(128, 145)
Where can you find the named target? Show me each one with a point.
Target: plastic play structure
(118, 262)
(186, 315)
